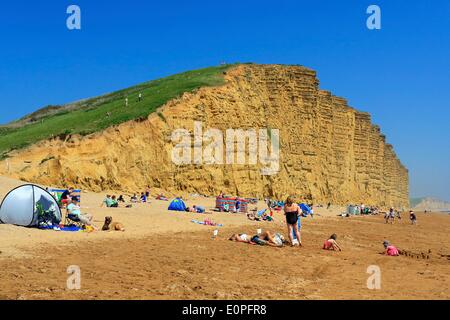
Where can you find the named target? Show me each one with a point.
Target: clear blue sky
(400, 74)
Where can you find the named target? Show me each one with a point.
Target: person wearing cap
(74, 213)
(390, 250)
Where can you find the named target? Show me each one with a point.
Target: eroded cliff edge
(328, 150)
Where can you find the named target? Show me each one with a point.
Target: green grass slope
(97, 114)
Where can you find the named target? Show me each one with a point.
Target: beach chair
(70, 219)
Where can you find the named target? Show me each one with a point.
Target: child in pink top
(390, 249)
(331, 243)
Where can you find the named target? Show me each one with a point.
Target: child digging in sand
(331, 243)
(390, 250)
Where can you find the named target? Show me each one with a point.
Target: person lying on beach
(162, 197)
(241, 237)
(268, 238)
(196, 209)
(265, 238)
(331, 243)
(390, 250)
(74, 214)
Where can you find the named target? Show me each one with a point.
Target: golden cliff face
(328, 151)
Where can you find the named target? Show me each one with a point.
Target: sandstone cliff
(328, 150)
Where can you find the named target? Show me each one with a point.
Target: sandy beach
(163, 255)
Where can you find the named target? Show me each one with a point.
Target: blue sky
(400, 74)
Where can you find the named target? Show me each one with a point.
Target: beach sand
(163, 255)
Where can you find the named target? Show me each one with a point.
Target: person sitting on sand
(74, 213)
(134, 198)
(143, 198)
(107, 202)
(292, 211)
(121, 199)
(390, 250)
(412, 217)
(115, 203)
(331, 243)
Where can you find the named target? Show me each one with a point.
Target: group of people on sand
(112, 201)
(144, 197)
(390, 216)
(292, 212)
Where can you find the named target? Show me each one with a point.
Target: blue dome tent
(177, 204)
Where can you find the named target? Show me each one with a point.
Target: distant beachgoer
(66, 196)
(237, 207)
(121, 199)
(390, 250)
(126, 102)
(311, 211)
(196, 209)
(331, 243)
(412, 217)
(389, 216)
(115, 203)
(147, 192)
(134, 198)
(107, 201)
(140, 96)
(143, 198)
(328, 205)
(226, 207)
(292, 211)
(199, 209)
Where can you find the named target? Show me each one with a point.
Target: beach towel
(65, 229)
(207, 223)
(261, 212)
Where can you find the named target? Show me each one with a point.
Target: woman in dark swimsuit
(292, 211)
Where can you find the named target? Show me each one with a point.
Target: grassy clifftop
(96, 114)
